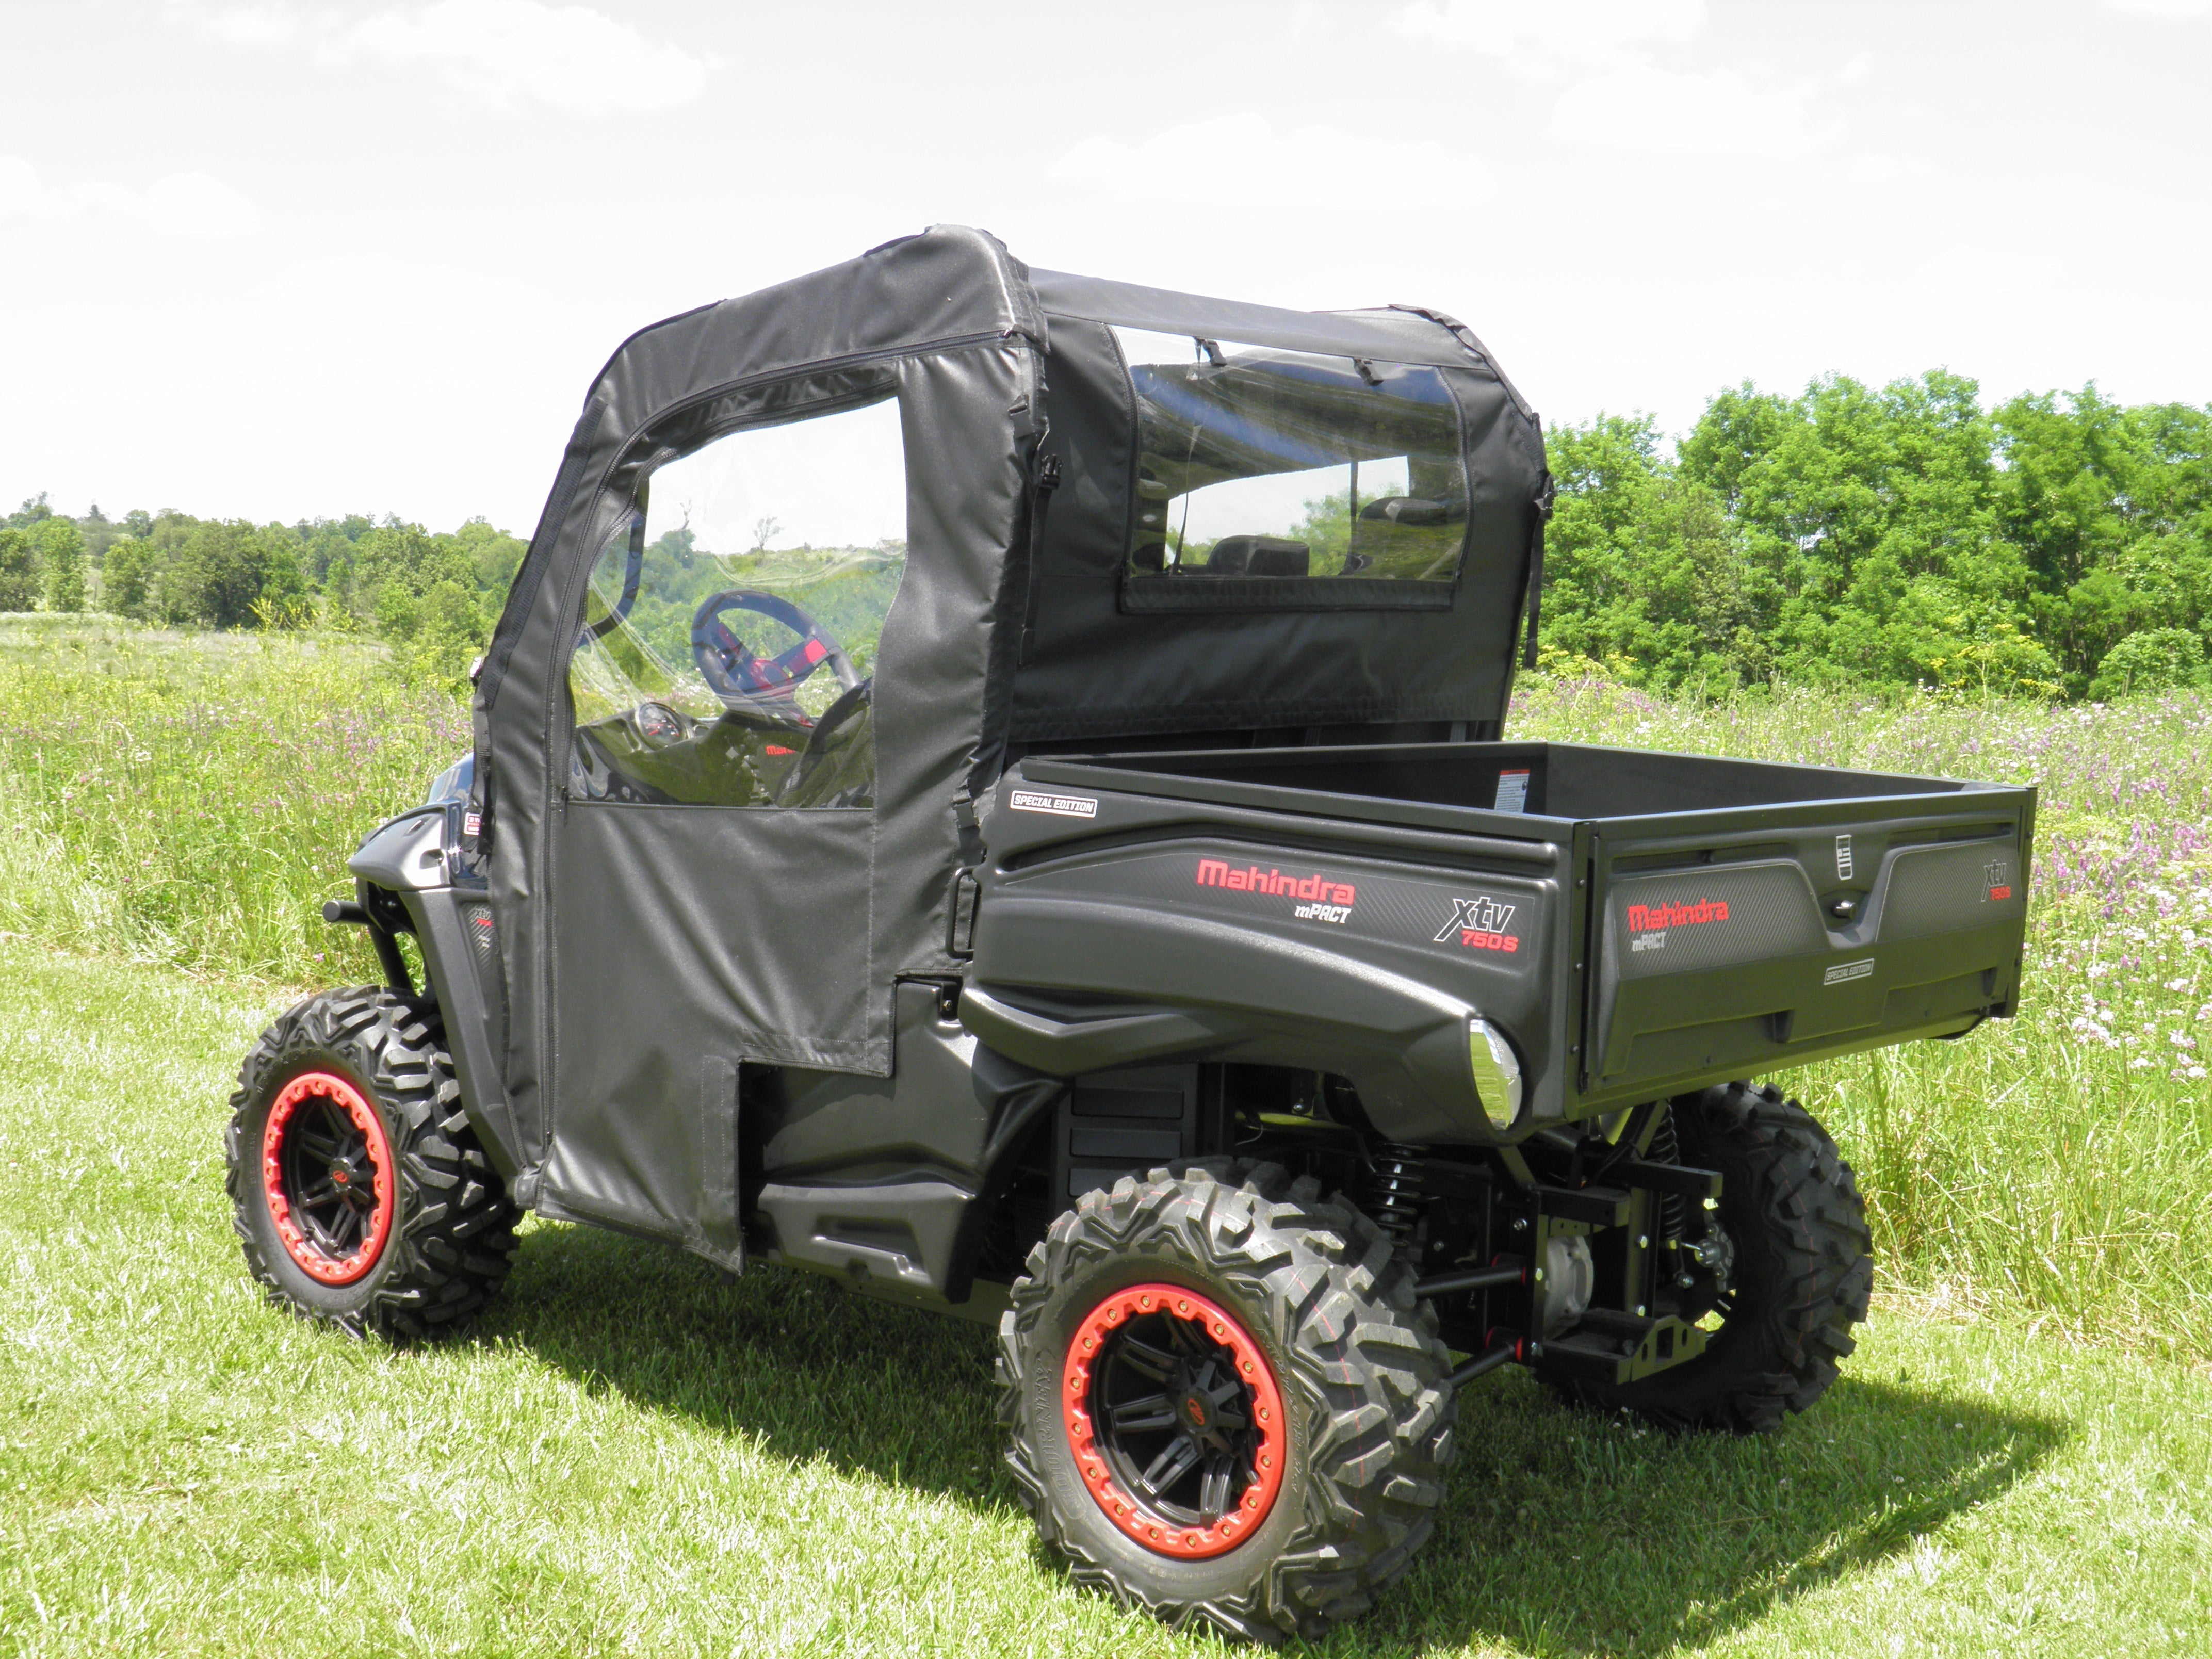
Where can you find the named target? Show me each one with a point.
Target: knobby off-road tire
(1803, 1267)
(363, 1094)
(1301, 1294)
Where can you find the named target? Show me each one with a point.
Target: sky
(278, 260)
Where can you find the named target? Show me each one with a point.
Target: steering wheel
(741, 679)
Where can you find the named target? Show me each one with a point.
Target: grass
(632, 1454)
(191, 799)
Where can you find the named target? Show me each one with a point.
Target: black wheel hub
(1174, 1421)
(329, 1178)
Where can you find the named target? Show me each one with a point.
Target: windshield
(1259, 462)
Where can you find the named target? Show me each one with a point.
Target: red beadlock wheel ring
(1092, 1346)
(344, 1110)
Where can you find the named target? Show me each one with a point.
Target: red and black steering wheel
(743, 679)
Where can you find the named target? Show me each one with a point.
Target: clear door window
(728, 646)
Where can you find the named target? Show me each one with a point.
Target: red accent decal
(816, 651)
(1642, 918)
(323, 1268)
(1999, 892)
(1475, 940)
(776, 748)
(1156, 1532)
(1326, 889)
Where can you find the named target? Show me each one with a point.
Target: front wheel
(1793, 1230)
(1224, 1404)
(359, 1192)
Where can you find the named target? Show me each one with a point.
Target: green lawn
(632, 1454)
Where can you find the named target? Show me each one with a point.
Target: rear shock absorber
(1667, 1148)
(1393, 1190)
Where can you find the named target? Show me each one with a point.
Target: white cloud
(1539, 33)
(2161, 7)
(504, 53)
(376, 295)
(1308, 17)
(182, 204)
(505, 50)
(271, 23)
(1980, 273)
(1713, 114)
(1880, 169)
(21, 195)
(1242, 159)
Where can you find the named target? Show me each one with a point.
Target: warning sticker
(1512, 791)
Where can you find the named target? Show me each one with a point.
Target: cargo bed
(1642, 923)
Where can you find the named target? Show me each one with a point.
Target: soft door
(712, 847)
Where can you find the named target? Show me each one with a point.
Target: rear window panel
(1275, 479)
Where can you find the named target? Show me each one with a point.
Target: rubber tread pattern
(1318, 1282)
(453, 1237)
(1804, 1269)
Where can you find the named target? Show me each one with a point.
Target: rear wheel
(1799, 1266)
(1224, 1404)
(358, 1191)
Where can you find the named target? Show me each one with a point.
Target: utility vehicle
(990, 784)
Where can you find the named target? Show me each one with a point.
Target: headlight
(1496, 1073)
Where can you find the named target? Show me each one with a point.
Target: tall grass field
(631, 1455)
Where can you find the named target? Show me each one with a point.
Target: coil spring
(1393, 1190)
(1667, 1148)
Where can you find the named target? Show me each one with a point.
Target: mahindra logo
(1322, 890)
(1480, 925)
(1643, 917)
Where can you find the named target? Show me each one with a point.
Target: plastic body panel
(418, 857)
(889, 1183)
(1156, 907)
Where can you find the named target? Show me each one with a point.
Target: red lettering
(1476, 939)
(1216, 872)
(1643, 917)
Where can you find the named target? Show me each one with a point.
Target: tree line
(432, 598)
(2058, 545)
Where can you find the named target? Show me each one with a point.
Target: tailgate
(1732, 944)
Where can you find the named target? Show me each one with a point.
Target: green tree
(19, 570)
(60, 561)
(127, 575)
(2154, 659)
(224, 569)
(495, 557)
(32, 511)
(1845, 498)
(1643, 572)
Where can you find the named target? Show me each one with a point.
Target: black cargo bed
(1728, 917)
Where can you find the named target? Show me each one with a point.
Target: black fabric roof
(1399, 334)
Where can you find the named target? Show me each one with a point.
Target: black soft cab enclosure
(992, 785)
